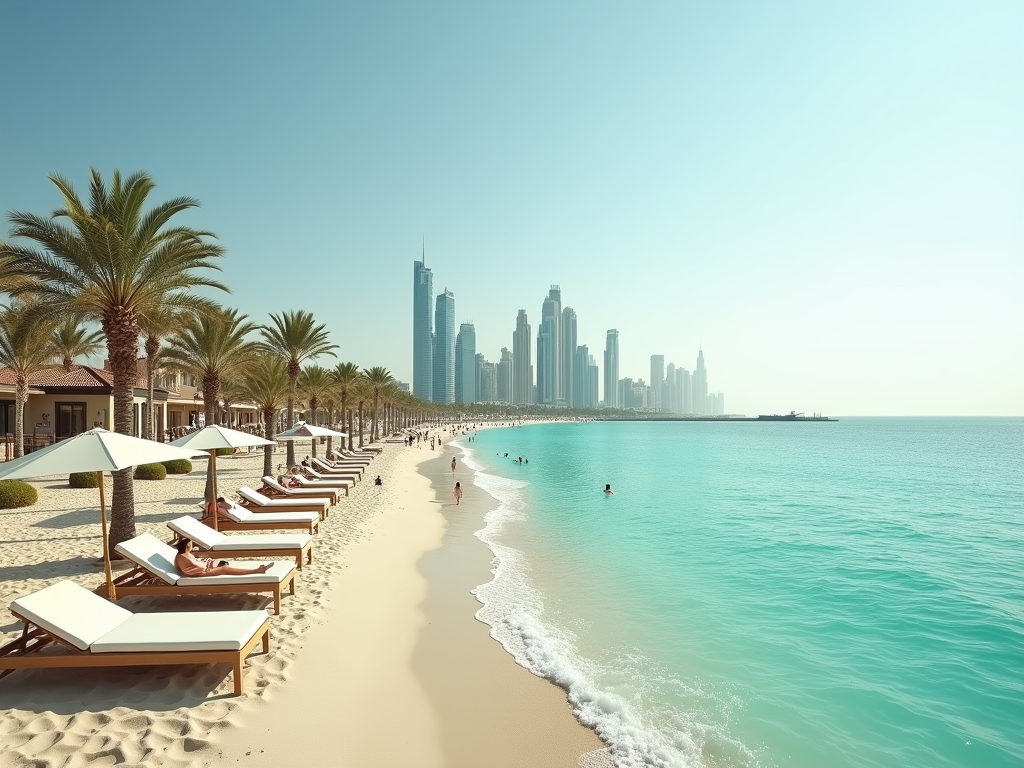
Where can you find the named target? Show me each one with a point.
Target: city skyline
(828, 199)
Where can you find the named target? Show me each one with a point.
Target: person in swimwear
(190, 565)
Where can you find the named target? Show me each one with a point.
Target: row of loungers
(96, 633)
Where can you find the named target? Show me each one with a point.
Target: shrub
(15, 493)
(83, 480)
(225, 451)
(177, 466)
(150, 472)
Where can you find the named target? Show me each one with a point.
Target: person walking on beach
(458, 493)
(453, 465)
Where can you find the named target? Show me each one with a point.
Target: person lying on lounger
(222, 506)
(190, 565)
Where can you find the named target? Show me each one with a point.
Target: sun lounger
(155, 574)
(329, 475)
(244, 519)
(331, 468)
(341, 458)
(259, 503)
(337, 482)
(274, 490)
(207, 540)
(96, 633)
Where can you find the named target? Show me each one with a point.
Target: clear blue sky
(828, 196)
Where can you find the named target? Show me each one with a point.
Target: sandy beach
(379, 650)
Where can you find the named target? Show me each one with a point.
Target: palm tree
(314, 382)
(73, 340)
(376, 378)
(111, 261)
(210, 345)
(232, 392)
(26, 346)
(295, 338)
(345, 377)
(155, 325)
(267, 386)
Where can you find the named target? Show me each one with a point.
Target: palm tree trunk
(211, 383)
(122, 334)
(293, 385)
(20, 398)
(373, 426)
(269, 416)
(152, 345)
(360, 424)
(315, 440)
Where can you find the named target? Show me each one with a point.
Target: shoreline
(491, 710)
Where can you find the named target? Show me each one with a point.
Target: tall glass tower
(568, 352)
(611, 370)
(657, 381)
(465, 365)
(444, 348)
(547, 361)
(422, 330)
(522, 362)
(551, 310)
(700, 385)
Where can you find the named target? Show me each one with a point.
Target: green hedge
(150, 472)
(177, 466)
(83, 480)
(15, 493)
(225, 451)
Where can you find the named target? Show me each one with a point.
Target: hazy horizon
(828, 199)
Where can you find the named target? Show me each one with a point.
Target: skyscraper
(568, 353)
(580, 377)
(657, 380)
(593, 375)
(700, 385)
(668, 389)
(422, 330)
(547, 361)
(465, 365)
(522, 361)
(486, 384)
(611, 370)
(504, 374)
(683, 396)
(444, 348)
(551, 310)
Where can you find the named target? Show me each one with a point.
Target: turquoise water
(800, 595)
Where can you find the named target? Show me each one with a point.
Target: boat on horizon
(792, 416)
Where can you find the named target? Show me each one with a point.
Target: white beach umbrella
(311, 432)
(96, 451)
(213, 437)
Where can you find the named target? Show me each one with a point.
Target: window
(70, 419)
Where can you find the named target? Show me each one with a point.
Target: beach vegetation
(225, 451)
(109, 259)
(16, 493)
(83, 480)
(267, 386)
(26, 346)
(73, 339)
(155, 326)
(376, 380)
(177, 466)
(295, 338)
(314, 383)
(150, 472)
(346, 377)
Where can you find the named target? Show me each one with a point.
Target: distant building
(611, 370)
(522, 362)
(465, 365)
(585, 379)
(657, 379)
(504, 369)
(700, 385)
(547, 361)
(486, 380)
(593, 379)
(422, 330)
(568, 352)
(402, 386)
(444, 348)
(683, 388)
(668, 389)
(551, 311)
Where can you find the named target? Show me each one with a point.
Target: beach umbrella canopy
(303, 431)
(96, 451)
(211, 438)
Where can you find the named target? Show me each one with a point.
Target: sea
(847, 594)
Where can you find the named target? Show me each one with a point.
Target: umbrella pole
(213, 469)
(111, 592)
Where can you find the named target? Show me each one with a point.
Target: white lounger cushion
(243, 515)
(305, 493)
(256, 497)
(338, 482)
(215, 541)
(334, 476)
(158, 558)
(196, 631)
(324, 467)
(71, 613)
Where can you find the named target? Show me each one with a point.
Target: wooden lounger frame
(21, 652)
(140, 581)
(225, 524)
(254, 507)
(272, 493)
(328, 488)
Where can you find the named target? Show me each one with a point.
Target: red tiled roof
(79, 377)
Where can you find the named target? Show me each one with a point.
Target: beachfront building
(568, 352)
(584, 378)
(700, 385)
(503, 371)
(684, 397)
(611, 370)
(422, 330)
(551, 310)
(443, 386)
(522, 362)
(465, 365)
(547, 359)
(657, 378)
(486, 380)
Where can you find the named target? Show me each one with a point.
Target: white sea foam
(514, 610)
